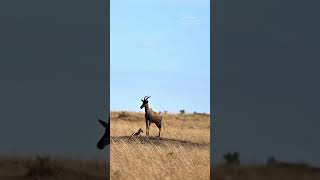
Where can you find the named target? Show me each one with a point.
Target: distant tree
(232, 158)
(182, 111)
(195, 112)
(165, 112)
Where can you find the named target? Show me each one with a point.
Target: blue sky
(160, 48)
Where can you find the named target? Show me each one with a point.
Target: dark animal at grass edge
(150, 115)
(105, 139)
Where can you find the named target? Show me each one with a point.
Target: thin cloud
(189, 20)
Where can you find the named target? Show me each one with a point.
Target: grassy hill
(182, 152)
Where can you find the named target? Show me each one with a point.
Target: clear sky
(160, 48)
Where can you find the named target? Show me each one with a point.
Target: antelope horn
(146, 97)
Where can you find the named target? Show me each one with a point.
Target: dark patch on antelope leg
(159, 126)
(147, 128)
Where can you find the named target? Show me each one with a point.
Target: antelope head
(105, 139)
(144, 101)
(140, 130)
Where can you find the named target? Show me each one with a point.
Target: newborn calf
(137, 133)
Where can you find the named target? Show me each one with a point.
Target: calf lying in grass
(137, 133)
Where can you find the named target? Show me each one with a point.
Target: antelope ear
(141, 100)
(104, 124)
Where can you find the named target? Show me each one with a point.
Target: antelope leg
(149, 127)
(146, 127)
(159, 126)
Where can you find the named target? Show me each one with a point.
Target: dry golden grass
(183, 152)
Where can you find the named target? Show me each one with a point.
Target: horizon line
(168, 112)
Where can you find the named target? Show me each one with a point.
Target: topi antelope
(150, 115)
(105, 139)
(137, 133)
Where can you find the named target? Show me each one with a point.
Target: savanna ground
(48, 168)
(182, 152)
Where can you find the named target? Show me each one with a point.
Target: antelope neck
(146, 108)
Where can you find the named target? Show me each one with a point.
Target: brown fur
(151, 116)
